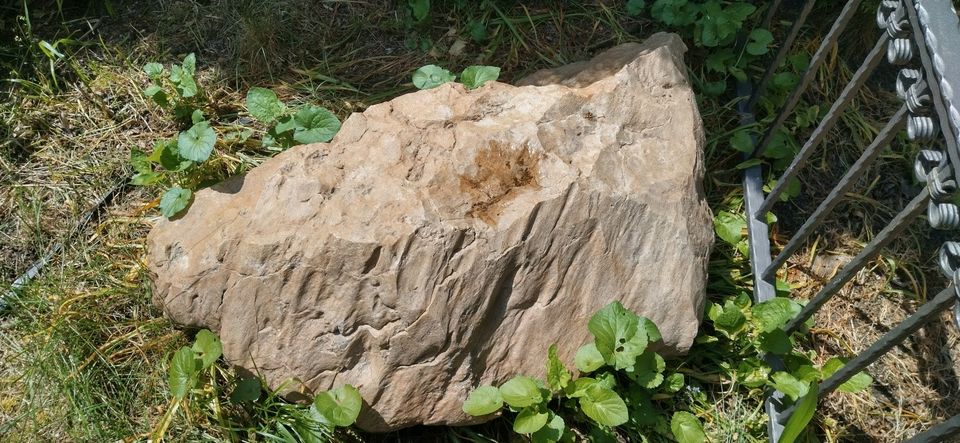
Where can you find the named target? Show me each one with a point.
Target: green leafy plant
(473, 77)
(618, 375)
(194, 378)
(175, 89)
(287, 126)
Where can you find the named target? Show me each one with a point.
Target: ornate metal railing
(922, 37)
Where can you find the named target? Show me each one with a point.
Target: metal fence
(922, 38)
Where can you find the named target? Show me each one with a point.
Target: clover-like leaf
(182, 375)
(315, 124)
(557, 374)
(431, 76)
(474, 77)
(174, 200)
(686, 428)
(264, 105)
(759, 43)
(588, 358)
(339, 406)
(197, 142)
(207, 347)
(483, 400)
(604, 406)
(530, 420)
(521, 391)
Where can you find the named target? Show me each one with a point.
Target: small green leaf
(419, 8)
(474, 77)
(190, 64)
(759, 43)
(174, 200)
(552, 432)
(431, 76)
(686, 428)
(789, 385)
(741, 141)
(520, 392)
(182, 375)
(196, 116)
(776, 342)
(483, 400)
(674, 383)
(753, 373)
(145, 179)
(802, 414)
(340, 406)
(604, 406)
(557, 374)
(530, 420)
(588, 358)
(152, 90)
(247, 389)
(315, 124)
(857, 383)
(648, 371)
(729, 227)
(154, 70)
(264, 105)
(635, 7)
(197, 142)
(775, 313)
(139, 161)
(207, 347)
(187, 86)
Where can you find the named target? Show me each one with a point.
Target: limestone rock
(447, 238)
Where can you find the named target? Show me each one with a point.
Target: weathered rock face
(446, 238)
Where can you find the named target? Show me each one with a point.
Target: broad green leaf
(196, 116)
(157, 94)
(139, 161)
(648, 370)
(741, 141)
(247, 389)
(588, 358)
(579, 387)
(789, 385)
(650, 328)
(521, 391)
(474, 77)
(530, 420)
(145, 179)
(807, 373)
(315, 124)
(618, 335)
(857, 383)
(604, 406)
(419, 8)
(197, 142)
(776, 342)
(719, 60)
(552, 432)
(264, 105)
(182, 375)
(152, 90)
(775, 313)
(339, 406)
(483, 400)
(557, 374)
(431, 76)
(190, 64)
(174, 200)
(802, 414)
(154, 70)
(207, 347)
(729, 227)
(759, 43)
(727, 318)
(635, 7)
(673, 383)
(166, 153)
(187, 86)
(753, 373)
(686, 428)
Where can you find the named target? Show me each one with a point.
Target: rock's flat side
(447, 238)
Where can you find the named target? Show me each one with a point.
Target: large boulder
(447, 238)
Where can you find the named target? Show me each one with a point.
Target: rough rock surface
(446, 238)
